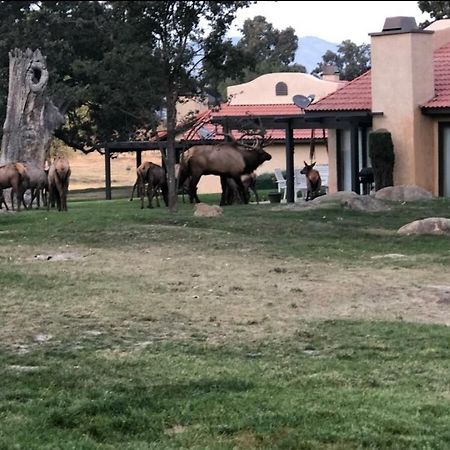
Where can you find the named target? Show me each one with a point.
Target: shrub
(381, 152)
(266, 181)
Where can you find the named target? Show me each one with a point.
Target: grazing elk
(37, 183)
(14, 175)
(154, 177)
(58, 183)
(227, 160)
(313, 181)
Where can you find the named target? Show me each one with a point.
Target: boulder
(204, 210)
(403, 193)
(431, 225)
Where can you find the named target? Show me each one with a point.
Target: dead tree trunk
(31, 117)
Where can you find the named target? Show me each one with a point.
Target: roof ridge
(342, 87)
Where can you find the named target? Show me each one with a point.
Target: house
(407, 92)
(263, 100)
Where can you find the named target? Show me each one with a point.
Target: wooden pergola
(303, 120)
(306, 120)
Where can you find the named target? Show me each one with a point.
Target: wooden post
(138, 158)
(108, 173)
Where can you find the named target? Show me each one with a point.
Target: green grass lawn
(122, 347)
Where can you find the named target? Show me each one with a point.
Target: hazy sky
(332, 21)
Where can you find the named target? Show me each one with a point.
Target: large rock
(431, 225)
(204, 210)
(365, 203)
(403, 193)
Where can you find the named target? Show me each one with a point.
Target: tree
(103, 73)
(113, 65)
(262, 49)
(184, 32)
(352, 60)
(31, 116)
(437, 10)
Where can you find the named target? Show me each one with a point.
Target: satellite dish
(204, 133)
(301, 101)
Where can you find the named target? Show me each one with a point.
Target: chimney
(330, 72)
(402, 80)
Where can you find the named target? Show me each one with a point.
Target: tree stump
(31, 117)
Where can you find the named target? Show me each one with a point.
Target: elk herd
(235, 162)
(49, 183)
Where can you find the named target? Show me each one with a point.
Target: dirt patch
(170, 292)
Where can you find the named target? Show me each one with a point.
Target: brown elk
(58, 183)
(313, 181)
(14, 175)
(37, 183)
(227, 160)
(154, 177)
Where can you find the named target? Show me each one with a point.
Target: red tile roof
(355, 95)
(288, 109)
(441, 79)
(204, 129)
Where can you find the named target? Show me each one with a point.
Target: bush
(266, 181)
(381, 152)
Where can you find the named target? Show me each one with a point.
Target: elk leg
(241, 189)
(223, 183)
(193, 189)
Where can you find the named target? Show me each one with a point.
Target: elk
(58, 183)
(37, 183)
(249, 182)
(14, 175)
(227, 160)
(154, 177)
(313, 181)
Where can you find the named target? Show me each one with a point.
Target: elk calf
(313, 181)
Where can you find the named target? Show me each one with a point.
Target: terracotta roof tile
(355, 95)
(204, 129)
(441, 79)
(258, 110)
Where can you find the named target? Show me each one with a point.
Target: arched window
(281, 88)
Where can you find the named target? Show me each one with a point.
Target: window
(281, 88)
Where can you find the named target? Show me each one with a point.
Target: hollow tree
(31, 117)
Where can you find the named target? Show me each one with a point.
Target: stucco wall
(262, 89)
(402, 80)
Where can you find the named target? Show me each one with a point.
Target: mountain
(310, 50)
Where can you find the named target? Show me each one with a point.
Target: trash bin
(366, 179)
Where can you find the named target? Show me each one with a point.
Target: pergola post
(354, 147)
(290, 194)
(138, 158)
